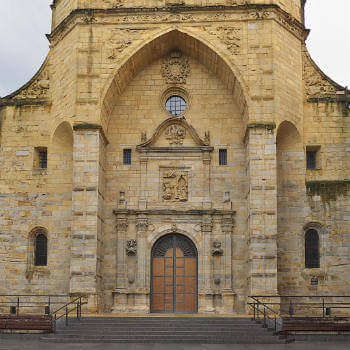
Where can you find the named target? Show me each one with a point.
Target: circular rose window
(175, 105)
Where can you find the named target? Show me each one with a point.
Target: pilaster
(262, 209)
(87, 206)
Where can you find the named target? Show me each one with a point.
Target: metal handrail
(62, 311)
(18, 301)
(324, 305)
(78, 304)
(257, 310)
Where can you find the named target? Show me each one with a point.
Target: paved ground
(8, 344)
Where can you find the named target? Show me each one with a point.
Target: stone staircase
(210, 330)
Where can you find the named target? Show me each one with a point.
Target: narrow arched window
(41, 250)
(312, 249)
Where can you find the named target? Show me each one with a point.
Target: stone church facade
(175, 156)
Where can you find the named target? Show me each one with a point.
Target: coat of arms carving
(175, 185)
(175, 134)
(176, 68)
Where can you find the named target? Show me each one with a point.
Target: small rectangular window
(40, 157)
(222, 156)
(127, 156)
(312, 157)
(43, 159)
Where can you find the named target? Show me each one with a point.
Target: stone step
(161, 332)
(161, 319)
(167, 339)
(160, 328)
(209, 330)
(167, 324)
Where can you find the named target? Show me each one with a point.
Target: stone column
(205, 285)
(262, 209)
(227, 293)
(142, 256)
(206, 181)
(226, 227)
(87, 210)
(120, 294)
(143, 181)
(142, 227)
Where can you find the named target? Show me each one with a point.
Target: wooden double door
(174, 275)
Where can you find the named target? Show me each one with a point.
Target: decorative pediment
(175, 135)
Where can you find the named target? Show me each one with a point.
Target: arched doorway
(174, 275)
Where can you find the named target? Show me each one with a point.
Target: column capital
(142, 224)
(207, 224)
(122, 224)
(227, 223)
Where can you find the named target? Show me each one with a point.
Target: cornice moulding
(184, 14)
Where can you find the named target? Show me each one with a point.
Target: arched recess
(290, 204)
(60, 158)
(31, 250)
(204, 52)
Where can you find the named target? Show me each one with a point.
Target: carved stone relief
(176, 68)
(229, 36)
(175, 185)
(131, 247)
(175, 134)
(217, 250)
(260, 14)
(120, 40)
(316, 85)
(39, 88)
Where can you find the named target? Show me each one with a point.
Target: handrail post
(254, 305)
(257, 309)
(66, 316)
(17, 306)
(265, 317)
(291, 310)
(54, 324)
(80, 306)
(323, 310)
(275, 324)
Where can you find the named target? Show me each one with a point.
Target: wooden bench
(337, 324)
(26, 323)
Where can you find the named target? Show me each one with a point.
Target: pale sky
(24, 23)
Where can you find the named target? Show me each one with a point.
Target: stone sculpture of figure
(167, 191)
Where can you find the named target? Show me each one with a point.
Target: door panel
(174, 275)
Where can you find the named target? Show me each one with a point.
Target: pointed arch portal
(174, 275)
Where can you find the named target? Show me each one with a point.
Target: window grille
(127, 156)
(43, 159)
(311, 159)
(222, 157)
(41, 250)
(175, 105)
(312, 249)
